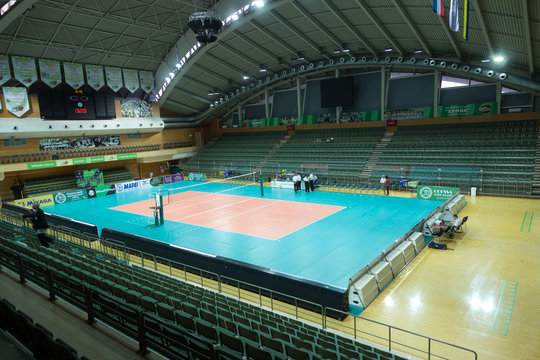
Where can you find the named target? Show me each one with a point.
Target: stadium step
(374, 157)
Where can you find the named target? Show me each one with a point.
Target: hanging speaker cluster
(205, 25)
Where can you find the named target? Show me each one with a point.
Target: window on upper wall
(14, 142)
(400, 74)
(505, 90)
(451, 82)
(476, 82)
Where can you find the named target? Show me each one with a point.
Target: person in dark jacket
(17, 190)
(39, 223)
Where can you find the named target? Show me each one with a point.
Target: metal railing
(266, 298)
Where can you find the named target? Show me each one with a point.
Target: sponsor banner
(46, 200)
(435, 192)
(69, 196)
(25, 70)
(113, 77)
(410, 113)
(16, 99)
(5, 69)
(78, 143)
(126, 156)
(196, 176)
(145, 183)
(49, 72)
(157, 181)
(147, 81)
(169, 179)
(74, 75)
(128, 186)
(99, 191)
(131, 80)
(88, 160)
(135, 109)
(94, 76)
(468, 109)
(41, 165)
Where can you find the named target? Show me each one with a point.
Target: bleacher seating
(238, 153)
(25, 157)
(495, 157)
(33, 336)
(341, 152)
(67, 182)
(178, 317)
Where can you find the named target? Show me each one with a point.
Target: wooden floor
(456, 295)
(481, 295)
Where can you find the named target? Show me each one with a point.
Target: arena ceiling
(281, 35)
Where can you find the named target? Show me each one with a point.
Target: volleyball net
(233, 183)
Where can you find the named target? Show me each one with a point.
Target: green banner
(157, 181)
(196, 176)
(69, 196)
(41, 165)
(101, 191)
(88, 160)
(468, 109)
(126, 156)
(435, 192)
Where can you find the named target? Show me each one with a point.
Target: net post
(161, 219)
(261, 181)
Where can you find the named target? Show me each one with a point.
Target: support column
(383, 91)
(240, 117)
(436, 89)
(338, 109)
(266, 103)
(499, 96)
(299, 98)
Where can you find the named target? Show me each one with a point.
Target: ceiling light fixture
(389, 49)
(246, 77)
(419, 51)
(498, 59)
(485, 60)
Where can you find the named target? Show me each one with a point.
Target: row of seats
(213, 316)
(28, 157)
(33, 336)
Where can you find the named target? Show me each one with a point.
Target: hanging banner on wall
(5, 69)
(114, 77)
(24, 69)
(484, 108)
(135, 109)
(131, 80)
(74, 75)
(49, 72)
(16, 100)
(94, 76)
(147, 81)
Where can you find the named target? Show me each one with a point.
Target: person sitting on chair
(448, 228)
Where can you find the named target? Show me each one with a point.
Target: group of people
(442, 227)
(309, 182)
(385, 184)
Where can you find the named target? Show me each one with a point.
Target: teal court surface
(322, 236)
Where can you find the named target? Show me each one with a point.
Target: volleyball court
(232, 204)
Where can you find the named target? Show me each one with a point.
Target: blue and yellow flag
(466, 20)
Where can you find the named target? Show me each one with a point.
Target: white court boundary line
(217, 181)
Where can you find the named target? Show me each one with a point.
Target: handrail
(325, 319)
(390, 340)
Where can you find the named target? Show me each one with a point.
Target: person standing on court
(39, 223)
(295, 182)
(311, 180)
(387, 184)
(306, 183)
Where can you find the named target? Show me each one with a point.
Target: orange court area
(264, 218)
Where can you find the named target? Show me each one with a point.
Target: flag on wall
(438, 7)
(466, 20)
(453, 22)
(16, 99)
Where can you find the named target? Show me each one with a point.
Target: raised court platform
(322, 237)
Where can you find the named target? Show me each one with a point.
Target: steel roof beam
(180, 105)
(298, 33)
(350, 27)
(257, 46)
(483, 27)
(242, 57)
(192, 95)
(401, 9)
(379, 26)
(16, 10)
(317, 24)
(446, 30)
(216, 76)
(201, 84)
(229, 66)
(528, 38)
(274, 38)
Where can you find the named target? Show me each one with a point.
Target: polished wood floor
(455, 295)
